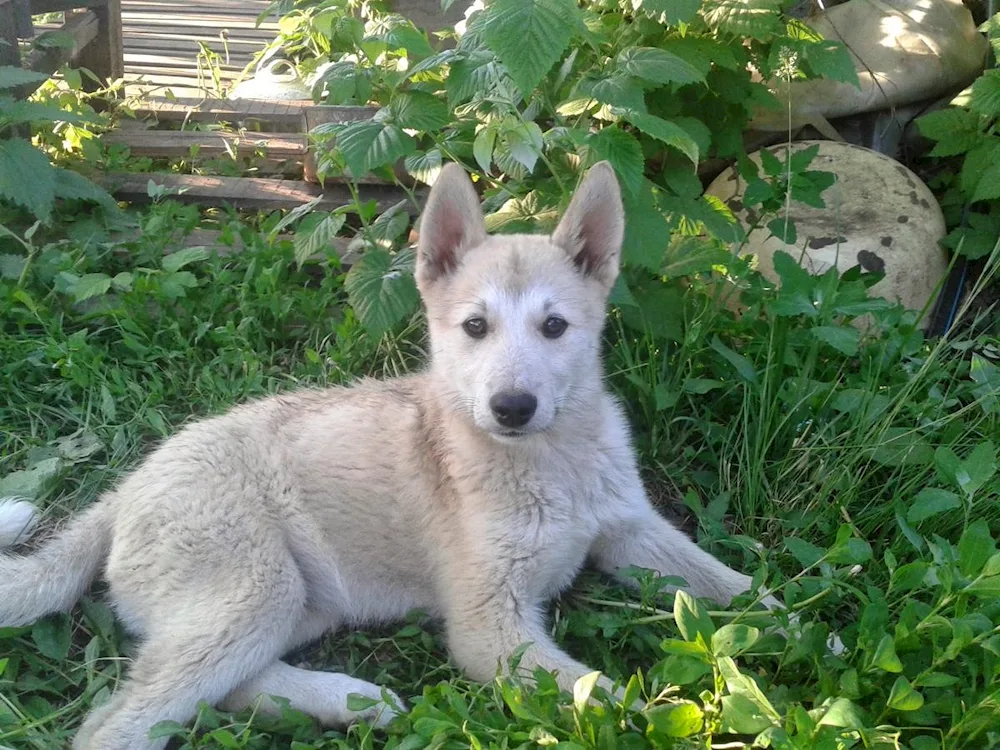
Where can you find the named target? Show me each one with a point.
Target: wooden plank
(246, 192)
(105, 55)
(9, 52)
(174, 143)
(83, 27)
(38, 7)
(23, 26)
(287, 118)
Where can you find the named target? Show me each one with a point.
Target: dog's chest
(541, 530)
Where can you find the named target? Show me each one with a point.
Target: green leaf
(979, 467)
(615, 90)
(692, 620)
(186, 256)
(978, 238)
(929, 502)
(18, 159)
(529, 36)
(224, 737)
(53, 636)
(688, 255)
(743, 366)
(845, 339)
(979, 160)
(72, 186)
(359, 702)
(418, 110)
(783, 228)
(318, 240)
(657, 66)
(757, 19)
(582, 690)
(13, 77)
(18, 111)
(666, 131)
(623, 152)
(849, 549)
(832, 60)
(732, 639)
(909, 576)
(646, 229)
(984, 98)
(482, 147)
(669, 12)
(34, 481)
(885, 657)
(806, 553)
(659, 311)
(975, 547)
(955, 129)
(742, 715)
(843, 713)
(903, 697)
(676, 719)
(370, 144)
(90, 285)
(381, 289)
(988, 186)
(522, 140)
(902, 446)
(425, 165)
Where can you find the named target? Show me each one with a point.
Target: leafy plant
(18, 157)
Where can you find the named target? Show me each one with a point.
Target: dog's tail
(53, 577)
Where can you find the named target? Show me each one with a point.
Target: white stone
(904, 51)
(878, 215)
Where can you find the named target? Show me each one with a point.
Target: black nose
(513, 409)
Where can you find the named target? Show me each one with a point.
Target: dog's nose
(513, 409)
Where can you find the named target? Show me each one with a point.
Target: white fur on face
(515, 284)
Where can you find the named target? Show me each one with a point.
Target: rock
(878, 215)
(904, 51)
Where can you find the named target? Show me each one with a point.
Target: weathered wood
(57, 6)
(283, 116)
(246, 192)
(105, 55)
(9, 52)
(23, 26)
(176, 143)
(82, 27)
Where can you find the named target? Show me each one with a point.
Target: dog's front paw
(18, 518)
(380, 713)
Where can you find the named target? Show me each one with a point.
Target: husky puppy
(475, 490)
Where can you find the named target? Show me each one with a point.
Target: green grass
(858, 477)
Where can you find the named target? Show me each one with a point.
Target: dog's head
(516, 320)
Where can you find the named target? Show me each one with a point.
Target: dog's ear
(451, 224)
(593, 227)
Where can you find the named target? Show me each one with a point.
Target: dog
(475, 490)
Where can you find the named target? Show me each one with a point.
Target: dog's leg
(641, 537)
(488, 623)
(213, 636)
(322, 695)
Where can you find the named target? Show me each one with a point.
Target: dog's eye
(475, 327)
(554, 327)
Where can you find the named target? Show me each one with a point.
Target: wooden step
(180, 143)
(249, 193)
(283, 116)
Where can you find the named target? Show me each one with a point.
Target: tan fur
(246, 535)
